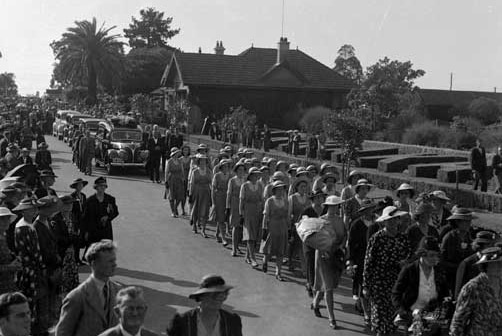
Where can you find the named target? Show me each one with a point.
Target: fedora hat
(406, 187)
(73, 185)
(4, 211)
(26, 203)
(353, 174)
(211, 284)
(47, 173)
(490, 255)
(333, 200)
(363, 183)
(100, 181)
(485, 237)
(301, 179)
(462, 214)
(440, 195)
(389, 213)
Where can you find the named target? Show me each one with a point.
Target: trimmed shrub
(457, 139)
(485, 109)
(425, 134)
(491, 138)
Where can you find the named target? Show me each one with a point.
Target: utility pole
(451, 81)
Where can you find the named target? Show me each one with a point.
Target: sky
(463, 37)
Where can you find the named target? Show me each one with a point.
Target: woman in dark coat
(101, 209)
(208, 315)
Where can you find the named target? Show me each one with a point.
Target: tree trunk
(91, 85)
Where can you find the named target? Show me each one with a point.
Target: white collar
(125, 333)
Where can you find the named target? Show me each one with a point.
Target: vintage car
(59, 124)
(92, 124)
(119, 145)
(72, 119)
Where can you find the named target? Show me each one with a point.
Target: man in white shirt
(131, 311)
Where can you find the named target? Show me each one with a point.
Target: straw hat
(278, 176)
(174, 151)
(4, 211)
(278, 184)
(462, 214)
(329, 176)
(73, 185)
(253, 171)
(440, 195)
(389, 213)
(211, 284)
(333, 200)
(26, 203)
(490, 255)
(363, 183)
(406, 187)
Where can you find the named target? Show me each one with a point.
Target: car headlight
(123, 155)
(113, 154)
(144, 154)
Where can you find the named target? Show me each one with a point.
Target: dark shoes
(317, 311)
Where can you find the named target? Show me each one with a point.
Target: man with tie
(88, 309)
(155, 149)
(131, 311)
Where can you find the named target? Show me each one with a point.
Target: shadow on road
(154, 277)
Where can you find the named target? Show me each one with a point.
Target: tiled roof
(250, 67)
(433, 97)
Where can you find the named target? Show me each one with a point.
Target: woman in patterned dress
(200, 193)
(275, 228)
(250, 209)
(185, 161)
(330, 265)
(63, 227)
(219, 194)
(233, 192)
(479, 304)
(31, 275)
(175, 181)
(386, 253)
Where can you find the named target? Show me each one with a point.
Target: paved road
(166, 259)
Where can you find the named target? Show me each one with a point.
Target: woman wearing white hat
(362, 188)
(298, 202)
(330, 265)
(440, 212)
(219, 189)
(200, 193)
(479, 304)
(387, 250)
(405, 194)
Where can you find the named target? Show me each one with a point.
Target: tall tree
(86, 51)
(151, 30)
(8, 86)
(382, 88)
(347, 64)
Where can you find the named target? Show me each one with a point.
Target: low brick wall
(388, 181)
(413, 149)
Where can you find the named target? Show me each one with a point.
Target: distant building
(441, 104)
(273, 83)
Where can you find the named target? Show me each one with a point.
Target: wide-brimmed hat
(293, 166)
(281, 162)
(73, 185)
(325, 166)
(100, 181)
(301, 171)
(174, 151)
(278, 176)
(367, 204)
(26, 203)
(43, 145)
(328, 176)
(4, 211)
(278, 184)
(253, 171)
(311, 168)
(333, 200)
(47, 173)
(301, 179)
(490, 255)
(485, 237)
(363, 183)
(199, 157)
(428, 243)
(51, 204)
(239, 164)
(389, 213)
(406, 187)
(462, 214)
(317, 192)
(353, 174)
(440, 195)
(211, 284)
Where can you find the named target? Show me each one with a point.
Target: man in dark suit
(165, 147)
(25, 157)
(478, 166)
(131, 311)
(78, 211)
(211, 294)
(43, 158)
(88, 309)
(155, 149)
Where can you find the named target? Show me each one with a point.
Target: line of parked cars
(119, 139)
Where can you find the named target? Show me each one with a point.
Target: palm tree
(86, 53)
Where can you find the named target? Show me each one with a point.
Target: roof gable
(256, 67)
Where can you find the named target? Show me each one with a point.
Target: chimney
(219, 49)
(282, 49)
(200, 50)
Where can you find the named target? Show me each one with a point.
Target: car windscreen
(126, 136)
(92, 125)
